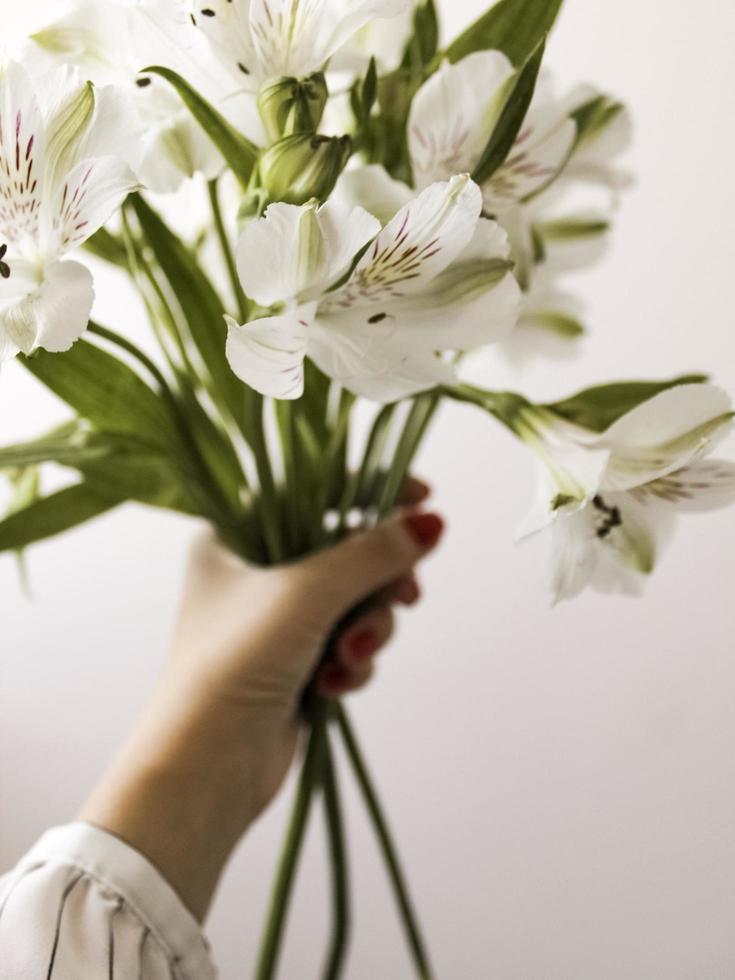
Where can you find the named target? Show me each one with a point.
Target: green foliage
(597, 408)
(594, 116)
(556, 322)
(200, 304)
(238, 151)
(571, 229)
(55, 514)
(511, 118)
(108, 247)
(364, 94)
(515, 27)
(105, 391)
(424, 44)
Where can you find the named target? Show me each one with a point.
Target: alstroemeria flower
(596, 154)
(112, 42)
(261, 39)
(58, 185)
(611, 500)
(371, 306)
(454, 114)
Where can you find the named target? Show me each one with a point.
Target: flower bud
(289, 106)
(298, 168)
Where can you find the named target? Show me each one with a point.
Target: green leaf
(573, 229)
(515, 27)
(105, 391)
(241, 155)
(147, 477)
(597, 408)
(202, 307)
(511, 118)
(53, 515)
(65, 445)
(594, 116)
(423, 46)
(108, 247)
(561, 324)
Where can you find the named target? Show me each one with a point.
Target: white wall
(563, 782)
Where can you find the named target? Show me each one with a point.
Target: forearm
(182, 791)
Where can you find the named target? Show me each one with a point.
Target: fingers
(414, 492)
(355, 650)
(341, 577)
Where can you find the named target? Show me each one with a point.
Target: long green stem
(390, 854)
(339, 870)
(124, 344)
(141, 273)
(310, 776)
(419, 418)
(224, 240)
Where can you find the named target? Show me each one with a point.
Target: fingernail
(408, 592)
(426, 529)
(363, 645)
(336, 678)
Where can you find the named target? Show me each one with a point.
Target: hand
(219, 734)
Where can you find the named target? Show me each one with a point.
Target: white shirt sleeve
(83, 905)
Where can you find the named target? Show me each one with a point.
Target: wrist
(183, 790)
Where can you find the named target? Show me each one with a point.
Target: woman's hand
(219, 734)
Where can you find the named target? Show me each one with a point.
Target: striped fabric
(83, 904)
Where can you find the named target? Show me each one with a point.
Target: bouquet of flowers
(382, 204)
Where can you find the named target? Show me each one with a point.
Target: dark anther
(143, 82)
(377, 318)
(4, 267)
(613, 517)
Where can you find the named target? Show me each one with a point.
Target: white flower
(112, 42)
(261, 39)
(59, 183)
(435, 278)
(456, 111)
(607, 137)
(611, 500)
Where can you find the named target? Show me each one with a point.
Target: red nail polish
(336, 678)
(426, 529)
(363, 644)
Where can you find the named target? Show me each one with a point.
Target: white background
(562, 782)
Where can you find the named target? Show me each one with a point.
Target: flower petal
(372, 188)
(633, 534)
(53, 315)
(705, 485)
(346, 230)
(282, 254)
(474, 302)
(226, 24)
(268, 354)
(373, 363)
(454, 113)
(22, 155)
(419, 243)
(297, 37)
(664, 434)
(540, 151)
(573, 556)
(86, 199)
(68, 105)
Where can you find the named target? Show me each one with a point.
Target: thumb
(347, 574)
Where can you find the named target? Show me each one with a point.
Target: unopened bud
(298, 168)
(289, 106)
